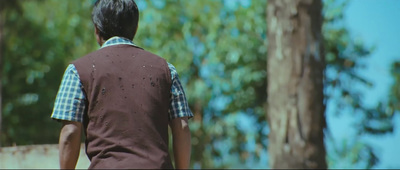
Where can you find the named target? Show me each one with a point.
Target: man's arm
(181, 142)
(69, 144)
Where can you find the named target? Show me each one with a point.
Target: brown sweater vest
(128, 96)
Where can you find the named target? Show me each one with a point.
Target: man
(124, 98)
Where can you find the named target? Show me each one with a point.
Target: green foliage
(350, 153)
(394, 98)
(344, 61)
(220, 57)
(220, 53)
(219, 50)
(41, 38)
(343, 56)
(393, 104)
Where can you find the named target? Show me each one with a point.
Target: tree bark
(1, 70)
(295, 68)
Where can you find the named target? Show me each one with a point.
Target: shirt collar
(118, 41)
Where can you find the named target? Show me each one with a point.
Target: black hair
(116, 18)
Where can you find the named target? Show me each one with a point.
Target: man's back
(128, 92)
(124, 98)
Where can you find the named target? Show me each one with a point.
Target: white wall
(36, 156)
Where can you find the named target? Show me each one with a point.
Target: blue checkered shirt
(70, 101)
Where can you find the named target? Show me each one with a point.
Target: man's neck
(101, 42)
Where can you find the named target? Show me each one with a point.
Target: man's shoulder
(88, 56)
(149, 55)
(146, 52)
(97, 54)
(110, 51)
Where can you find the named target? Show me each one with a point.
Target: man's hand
(69, 144)
(181, 142)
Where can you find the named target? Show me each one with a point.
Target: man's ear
(97, 35)
(96, 30)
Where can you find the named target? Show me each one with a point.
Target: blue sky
(376, 23)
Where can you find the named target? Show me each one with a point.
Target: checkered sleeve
(70, 100)
(179, 106)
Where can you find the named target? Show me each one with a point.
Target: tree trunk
(1, 69)
(295, 84)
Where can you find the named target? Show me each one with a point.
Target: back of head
(116, 18)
